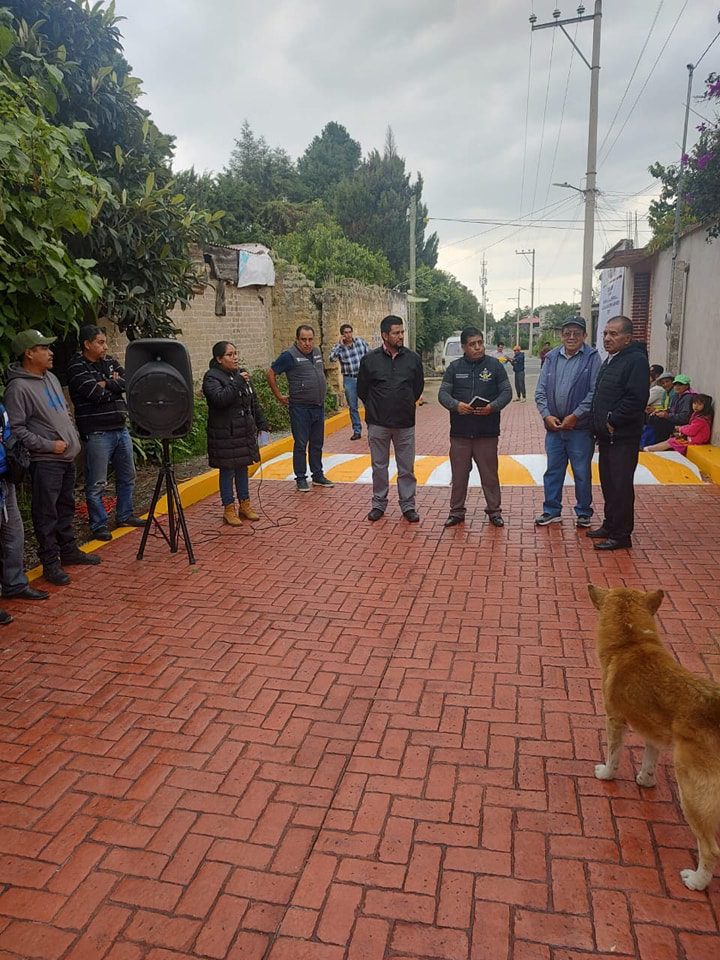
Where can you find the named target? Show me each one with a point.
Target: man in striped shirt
(350, 350)
(97, 384)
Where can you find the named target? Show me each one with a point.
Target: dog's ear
(597, 595)
(654, 599)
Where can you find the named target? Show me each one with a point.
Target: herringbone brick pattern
(339, 741)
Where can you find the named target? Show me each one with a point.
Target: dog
(646, 689)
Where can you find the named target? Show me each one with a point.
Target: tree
(372, 208)
(78, 45)
(324, 253)
(451, 306)
(701, 181)
(331, 157)
(47, 198)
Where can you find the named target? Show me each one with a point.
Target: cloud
(452, 80)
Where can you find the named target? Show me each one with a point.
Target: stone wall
(261, 321)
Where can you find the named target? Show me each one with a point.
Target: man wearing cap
(563, 397)
(39, 417)
(97, 382)
(679, 410)
(618, 414)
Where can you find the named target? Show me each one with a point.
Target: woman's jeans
(102, 449)
(240, 476)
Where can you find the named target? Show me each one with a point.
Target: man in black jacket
(474, 430)
(618, 414)
(96, 383)
(390, 382)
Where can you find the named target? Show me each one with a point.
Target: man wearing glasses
(564, 397)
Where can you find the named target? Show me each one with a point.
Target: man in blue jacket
(563, 397)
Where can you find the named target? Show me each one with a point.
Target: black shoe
(5, 618)
(497, 521)
(599, 534)
(453, 521)
(77, 558)
(131, 521)
(322, 482)
(624, 544)
(56, 575)
(356, 436)
(412, 516)
(27, 593)
(581, 522)
(102, 533)
(375, 514)
(302, 486)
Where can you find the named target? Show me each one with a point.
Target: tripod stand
(176, 526)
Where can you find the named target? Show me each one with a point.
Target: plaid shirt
(351, 356)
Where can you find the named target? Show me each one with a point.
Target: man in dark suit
(618, 416)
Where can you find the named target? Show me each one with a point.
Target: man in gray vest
(302, 364)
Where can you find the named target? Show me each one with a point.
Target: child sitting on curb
(694, 433)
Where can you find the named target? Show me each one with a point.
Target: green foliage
(47, 199)
(323, 253)
(701, 182)
(451, 306)
(330, 158)
(140, 235)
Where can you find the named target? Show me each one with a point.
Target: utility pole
(412, 329)
(530, 254)
(517, 322)
(590, 191)
(483, 285)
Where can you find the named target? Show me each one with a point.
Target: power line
(562, 113)
(542, 129)
(632, 75)
(647, 80)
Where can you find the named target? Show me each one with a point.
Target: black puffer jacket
(234, 418)
(621, 395)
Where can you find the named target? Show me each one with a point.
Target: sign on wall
(612, 282)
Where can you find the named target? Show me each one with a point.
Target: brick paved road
(337, 741)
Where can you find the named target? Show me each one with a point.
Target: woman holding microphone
(236, 429)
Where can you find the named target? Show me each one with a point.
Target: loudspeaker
(159, 388)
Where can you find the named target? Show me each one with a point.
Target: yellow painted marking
(279, 470)
(424, 467)
(350, 470)
(513, 474)
(668, 471)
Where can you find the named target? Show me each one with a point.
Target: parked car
(451, 351)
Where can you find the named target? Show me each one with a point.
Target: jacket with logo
(465, 379)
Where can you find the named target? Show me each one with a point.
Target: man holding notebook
(475, 389)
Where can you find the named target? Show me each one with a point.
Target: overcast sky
(451, 78)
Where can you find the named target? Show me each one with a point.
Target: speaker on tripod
(159, 390)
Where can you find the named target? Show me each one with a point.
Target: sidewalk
(332, 740)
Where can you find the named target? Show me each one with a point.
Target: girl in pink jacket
(697, 432)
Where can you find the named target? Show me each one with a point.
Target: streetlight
(590, 192)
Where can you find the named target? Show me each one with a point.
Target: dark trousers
(617, 472)
(53, 509)
(483, 450)
(308, 430)
(520, 384)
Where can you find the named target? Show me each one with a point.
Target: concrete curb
(200, 488)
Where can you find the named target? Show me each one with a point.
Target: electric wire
(632, 75)
(542, 128)
(562, 114)
(642, 88)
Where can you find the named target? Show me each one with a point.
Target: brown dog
(645, 688)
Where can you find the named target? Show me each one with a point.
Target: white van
(451, 351)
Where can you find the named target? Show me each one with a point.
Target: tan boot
(230, 517)
(245, 510)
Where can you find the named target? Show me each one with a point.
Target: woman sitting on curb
(694, 433)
